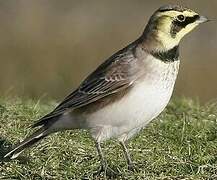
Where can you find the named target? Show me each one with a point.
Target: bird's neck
(167, 56)
(160, 48)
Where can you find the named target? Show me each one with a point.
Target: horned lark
(128, 90)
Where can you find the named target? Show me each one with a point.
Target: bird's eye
(181, 18)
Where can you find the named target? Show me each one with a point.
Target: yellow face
(172, 25)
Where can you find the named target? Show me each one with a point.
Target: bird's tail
(29, 141)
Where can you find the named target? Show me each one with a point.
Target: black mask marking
(178, 25)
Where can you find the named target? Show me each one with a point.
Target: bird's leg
(104, 165)
(127, 156)
(103, 162)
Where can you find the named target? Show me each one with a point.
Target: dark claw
(132, 167)
(107, 171)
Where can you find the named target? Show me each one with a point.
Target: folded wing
(117, 73)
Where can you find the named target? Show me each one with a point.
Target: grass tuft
(179, 144)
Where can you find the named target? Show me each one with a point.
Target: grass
(180, 144)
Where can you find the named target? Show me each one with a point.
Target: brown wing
(115, 74)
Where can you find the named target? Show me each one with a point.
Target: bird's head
(169, 24)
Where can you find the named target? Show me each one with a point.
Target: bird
(127, 91)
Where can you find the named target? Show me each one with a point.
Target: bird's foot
(108, 171)
(132, 167)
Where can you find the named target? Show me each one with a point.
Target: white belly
(146, 100)
(135, 110)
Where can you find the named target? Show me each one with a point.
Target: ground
(179, 144)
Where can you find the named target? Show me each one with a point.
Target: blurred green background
(48, 46)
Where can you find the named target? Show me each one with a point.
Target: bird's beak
(202, 19)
